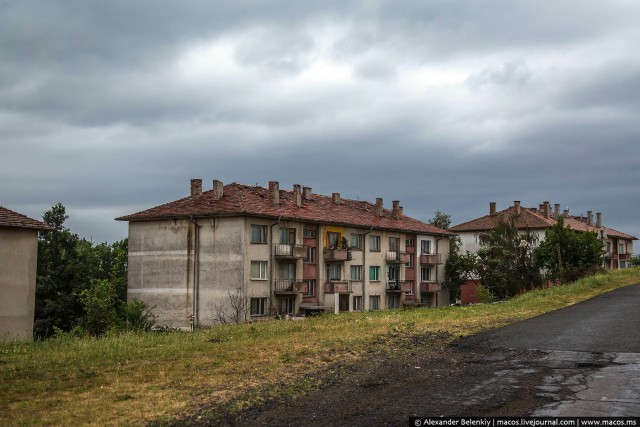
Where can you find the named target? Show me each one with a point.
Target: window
(374, 302)
(393, 301)
(257, 306)
(311, 255)
(356, 241)
(357, 303)
(410, 242)
(412, 260)
(425, 246)
(288, 236)
(356, 273)
(425, 274)
(288, 271)
(393, 273)
(288, 306)
(394, 244)
(258, 233)
(307, 232)
(311, 288)
(334, 271)
(608, 247)
(374, 273)
(259, 270)
(621, 249)
(333, 239)
(374, 243)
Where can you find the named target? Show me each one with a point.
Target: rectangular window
(356, 241)
(394, 244)
(374, 302)
(309, 233)
(257, 306)
(334, 271)
(608, 247)
(425, 274)
(311, 255)
(425, 246)
(288, 271)
(374, 243)
(412, 260)
(288, 236)
(621, 248)
(357, 303)
(333, 239)
(374, 273)
(258, 233)
(393, 301)
(356, 273)
(259, 270)
(410, 242)
(311, 288)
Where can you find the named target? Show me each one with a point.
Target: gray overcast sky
(111, 107)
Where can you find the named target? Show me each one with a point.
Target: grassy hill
(136, 378)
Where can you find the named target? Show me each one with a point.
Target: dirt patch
(418, 375)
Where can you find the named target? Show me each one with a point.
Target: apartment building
(254, 252)
(618, 246)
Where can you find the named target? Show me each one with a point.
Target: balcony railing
(396, 257)
(399, 286)
(289, 286)
(333, 255)
(426, 287)
(338, 287)
(287, 251)
(430, 259)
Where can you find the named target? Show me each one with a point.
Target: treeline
(511, 261)
(81, 287)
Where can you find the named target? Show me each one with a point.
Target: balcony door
(288, 236)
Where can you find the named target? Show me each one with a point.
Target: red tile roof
(245, 200)
(531, 219)
(9, 218)
(528, 219)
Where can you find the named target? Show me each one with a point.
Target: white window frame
(260, 307)
(374, 243)
(262, 270)
(374, 302)
(375, 269)
(262, 230)
(356, 241)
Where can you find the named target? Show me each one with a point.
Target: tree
(459, 268)
(506, 264)
(566, 254)
(441, 220)
(635, 260)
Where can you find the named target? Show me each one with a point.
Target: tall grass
(132, 378)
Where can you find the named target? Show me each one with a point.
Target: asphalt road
(606, 323)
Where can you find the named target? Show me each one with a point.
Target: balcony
(338, 287)
(623, 256)
(399, 286)
(334, 255)
(427, 287)
(430, 259)
(287, 251)
(289, 286)
(395, 257)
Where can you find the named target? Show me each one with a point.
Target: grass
(130, 379)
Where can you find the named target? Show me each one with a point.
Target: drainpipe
(437, 252)
(271, 258)
(196, 272)
(364, 262)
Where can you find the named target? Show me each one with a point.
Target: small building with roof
(18, 263)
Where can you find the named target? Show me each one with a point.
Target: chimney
(556, 209)
(541, 208)
(516, 204)
(218, 189)
(589, 218)
(492, 208)
(598, 220)
(274, 192)
(396, 208)
(306, 193)
(379, 207)
(401, 211)
(336, 198)
(196, 187)
(547, 210)
(566, 213)
(297, 195)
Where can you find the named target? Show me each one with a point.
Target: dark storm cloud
(110, 107)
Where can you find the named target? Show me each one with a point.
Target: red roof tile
(9, 218)
(531, 219)
(240, 199)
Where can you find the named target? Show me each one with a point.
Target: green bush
(485, 295)
(136, 316)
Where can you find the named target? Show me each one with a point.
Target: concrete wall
(18, 259)
(164, 270)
